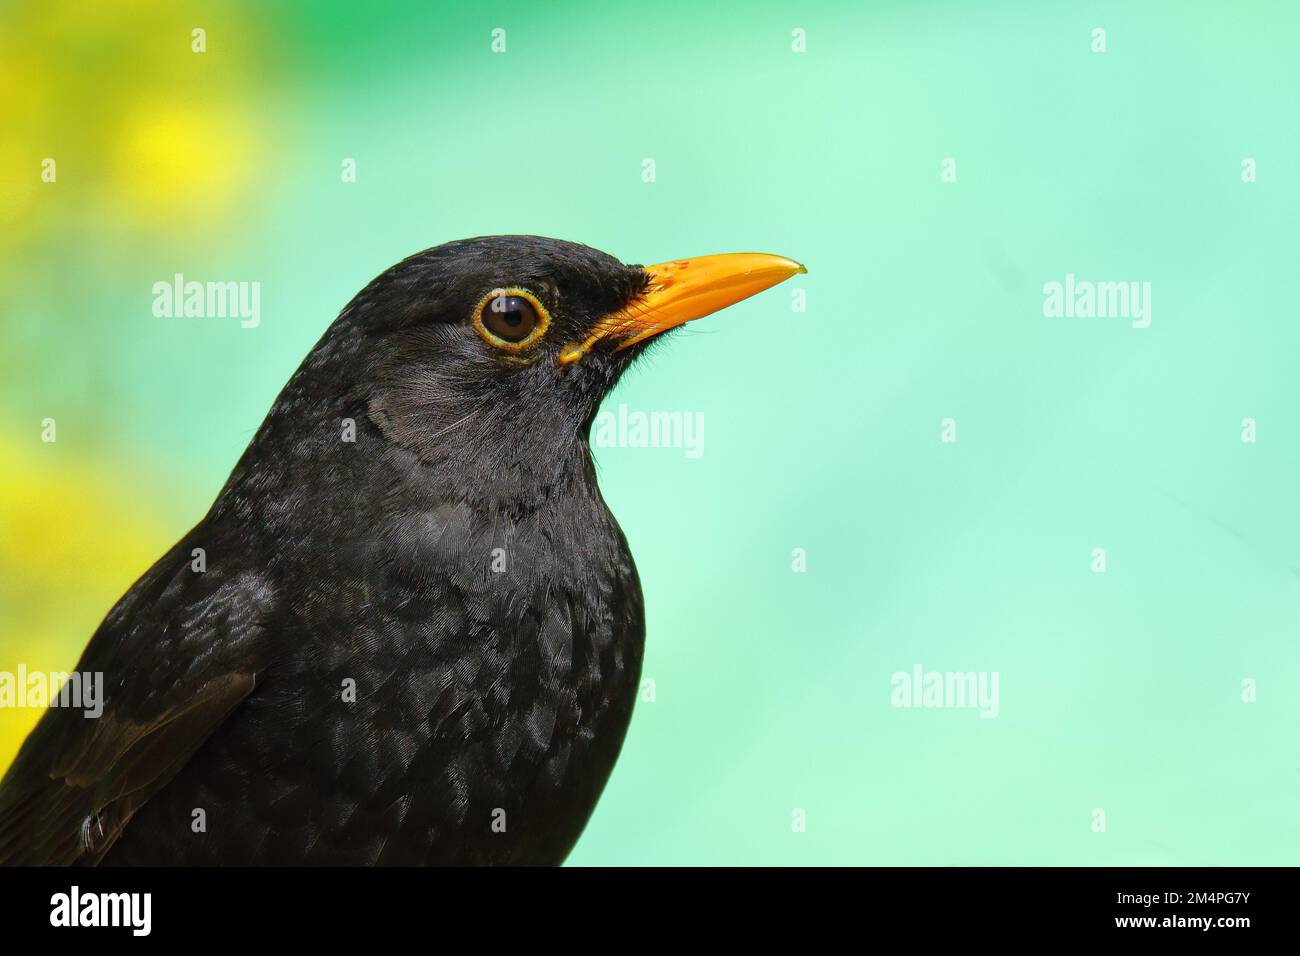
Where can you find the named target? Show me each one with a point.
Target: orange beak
(683, 290)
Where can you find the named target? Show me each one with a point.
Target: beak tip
(793, 265)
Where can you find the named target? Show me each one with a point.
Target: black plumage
(455, 563)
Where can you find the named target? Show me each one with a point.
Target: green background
(1120, 691)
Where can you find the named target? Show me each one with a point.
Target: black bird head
(489, 357)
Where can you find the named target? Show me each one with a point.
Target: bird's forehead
(543, 257)
(565, 270)
(444, 283)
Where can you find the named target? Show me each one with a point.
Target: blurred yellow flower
(174, 162)
(142, 129)
(68, 550)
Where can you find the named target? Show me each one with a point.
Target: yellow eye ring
(541, 319)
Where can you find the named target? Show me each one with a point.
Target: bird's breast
(458, 684)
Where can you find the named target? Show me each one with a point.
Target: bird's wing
(178, 654)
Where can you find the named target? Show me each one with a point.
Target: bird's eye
(511, 319)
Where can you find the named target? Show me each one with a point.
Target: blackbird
(409, 630)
